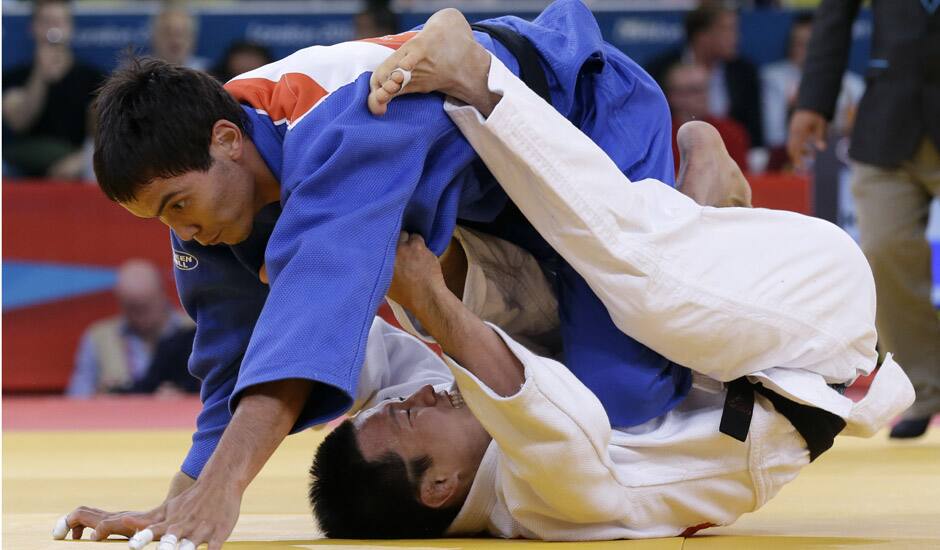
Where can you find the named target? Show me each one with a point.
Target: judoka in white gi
(735, 294)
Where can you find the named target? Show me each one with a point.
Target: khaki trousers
(892, 208)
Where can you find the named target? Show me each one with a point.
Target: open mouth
(453, 395)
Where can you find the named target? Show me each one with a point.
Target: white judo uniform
(784, 299)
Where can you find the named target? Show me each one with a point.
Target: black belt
(510, 224)
(530, 70)
(817, 427)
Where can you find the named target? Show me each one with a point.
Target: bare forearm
(264, 417)
(470, 341)
(21, 106)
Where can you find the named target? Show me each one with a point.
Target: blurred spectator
(240, 57)
(146, 344)
(46, 102)
(377, 19)
(686, 87)
(895, 156)
(779, 84)
(711, 32)
(173, 37)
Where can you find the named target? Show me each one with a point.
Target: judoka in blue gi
(284, 232)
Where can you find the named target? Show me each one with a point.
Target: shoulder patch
(184, 260)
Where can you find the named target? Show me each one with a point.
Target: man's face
(724, 36)
(687, 91)
(425, 424)
(145, 314)
(52, 24)
(174, 37)
(242, 62)
(799, 40)
(212, 207)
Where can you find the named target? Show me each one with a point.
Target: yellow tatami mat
(862, 494)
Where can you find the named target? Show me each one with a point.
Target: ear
(438, 490)
(227, 138)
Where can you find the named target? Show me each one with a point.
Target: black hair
(154, 120)
(383, 18)
(354, 498)
(703, 17)
(802, 18)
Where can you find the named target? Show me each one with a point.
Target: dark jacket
(901, 104)
(743, 91)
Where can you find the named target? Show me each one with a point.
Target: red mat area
(100, 413)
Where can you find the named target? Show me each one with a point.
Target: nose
(424, 397)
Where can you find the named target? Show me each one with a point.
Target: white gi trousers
(785, 299)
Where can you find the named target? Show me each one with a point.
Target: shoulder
(104, 327)
(288, 89)
(777, 70)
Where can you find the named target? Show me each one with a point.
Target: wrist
(229, 480)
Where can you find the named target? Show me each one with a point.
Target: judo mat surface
(861, 494)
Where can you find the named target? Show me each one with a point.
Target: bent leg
(726, 292)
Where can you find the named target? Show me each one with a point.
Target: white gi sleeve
(553, 435)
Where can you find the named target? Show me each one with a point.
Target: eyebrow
(163, 202)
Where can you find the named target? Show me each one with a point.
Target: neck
(267, 188)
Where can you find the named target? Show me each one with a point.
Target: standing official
(896, 169)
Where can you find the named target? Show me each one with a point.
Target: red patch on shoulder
(393, 41)
(287, 99)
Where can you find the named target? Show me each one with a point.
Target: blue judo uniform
(351, 181)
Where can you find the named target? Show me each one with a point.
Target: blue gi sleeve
(350, 181)
(225, 299)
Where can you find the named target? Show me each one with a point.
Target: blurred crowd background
(88, 300)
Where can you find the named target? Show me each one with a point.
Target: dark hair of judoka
(353, 498)
(154, 120)
(703, 17)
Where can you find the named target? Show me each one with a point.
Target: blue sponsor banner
(101, 36)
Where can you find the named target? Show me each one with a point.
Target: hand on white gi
(443, 57)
